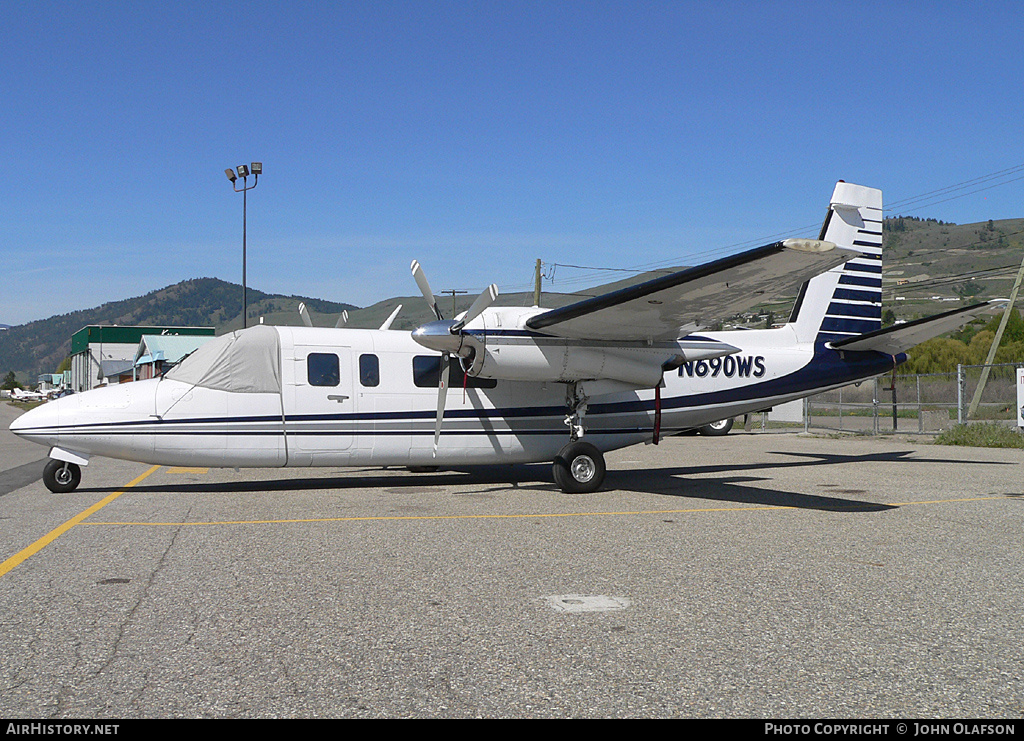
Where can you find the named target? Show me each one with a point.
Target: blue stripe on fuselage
(827, 368)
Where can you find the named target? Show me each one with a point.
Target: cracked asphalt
(751, 576)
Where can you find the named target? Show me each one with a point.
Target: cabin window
(369, 370)
(323, 369)
(425, 370)
(425, 374)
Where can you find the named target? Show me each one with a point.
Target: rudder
(847, 300)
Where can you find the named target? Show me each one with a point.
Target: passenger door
(319, 404)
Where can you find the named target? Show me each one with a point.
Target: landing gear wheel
(61, 477)
(579, 468)
(717, 429)
(422, 469)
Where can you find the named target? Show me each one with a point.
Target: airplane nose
(39, 425)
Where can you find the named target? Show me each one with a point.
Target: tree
(1014, 331)
(10, 382)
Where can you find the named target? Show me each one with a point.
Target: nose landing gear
(61, 477)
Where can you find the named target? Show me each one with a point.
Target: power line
(957, 186)
(919, 201)
(963, 195)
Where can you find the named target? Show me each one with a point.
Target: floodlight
(243, 172)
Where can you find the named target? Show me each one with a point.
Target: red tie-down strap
(657, 413)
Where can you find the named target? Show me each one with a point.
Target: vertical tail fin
(847, 300)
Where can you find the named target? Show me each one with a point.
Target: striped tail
(847, 300)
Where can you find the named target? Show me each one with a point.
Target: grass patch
(982, 436)
(867, 411)
(24, 405)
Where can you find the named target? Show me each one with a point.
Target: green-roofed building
(93, 348)
(157, 354)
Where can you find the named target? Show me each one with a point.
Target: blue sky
(473, 136)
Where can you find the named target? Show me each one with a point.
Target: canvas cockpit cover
(245, 361)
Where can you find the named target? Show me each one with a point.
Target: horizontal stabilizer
(901, 337)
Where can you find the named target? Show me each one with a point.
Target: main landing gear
(717, 429)
(579, 466)
(61, 477)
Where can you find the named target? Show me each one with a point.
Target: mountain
(931, 266)
(928, 267)
(40, 346)
(925, 259)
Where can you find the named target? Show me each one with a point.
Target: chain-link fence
(924, 403)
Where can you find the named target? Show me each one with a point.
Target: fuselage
(368, 397)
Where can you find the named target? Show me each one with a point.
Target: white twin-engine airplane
(626, 367)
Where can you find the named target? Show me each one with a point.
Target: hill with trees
(40, 346)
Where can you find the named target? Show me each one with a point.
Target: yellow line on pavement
(375, 518)
(51, 536)
(437, 517)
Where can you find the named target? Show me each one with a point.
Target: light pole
(255, 169)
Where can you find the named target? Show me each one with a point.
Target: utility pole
(536, 284)
(976, 399)
(452, 291)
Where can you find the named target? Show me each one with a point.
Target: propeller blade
(304, 313)
(442, 393)
(387, 322)
(484, 300)
(342, 320)
(421, 281)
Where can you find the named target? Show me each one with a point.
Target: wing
(901, 337)
(675, 305)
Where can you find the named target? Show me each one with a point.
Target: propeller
(390, 319)
(446, 336)
(421, 281)
(308, 321)
(442, 394)
(484, 300)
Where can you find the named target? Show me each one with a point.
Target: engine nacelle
(560, 361)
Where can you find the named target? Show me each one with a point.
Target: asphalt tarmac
(765, 576)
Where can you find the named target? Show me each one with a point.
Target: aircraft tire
(422, 469)
(717, 429)
(61, 477)
(579, 468)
